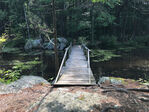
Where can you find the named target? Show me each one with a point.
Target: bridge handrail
(88, 61)
(62, 63)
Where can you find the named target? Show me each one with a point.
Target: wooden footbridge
(75, 67)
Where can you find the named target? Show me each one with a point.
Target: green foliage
(75, 18)
(14, 45)
(10, 50)
(17, 70)
(143, 40)
(108, 41)
(125, 49)
(105, 19)
(2, 15)
(83, 25)
(82, 40)
(3, 39)
(8, 76)
(25, 65)
(131, 43)
(110, 3)
(103, 55)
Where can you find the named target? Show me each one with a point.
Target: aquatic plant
(103, 55)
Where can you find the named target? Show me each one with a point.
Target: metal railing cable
(67, 52)
(88, 61)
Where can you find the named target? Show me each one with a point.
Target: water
(133, 65)
(46, 68)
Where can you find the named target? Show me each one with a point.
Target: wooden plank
(76, 71)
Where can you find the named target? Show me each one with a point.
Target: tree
(55, 37)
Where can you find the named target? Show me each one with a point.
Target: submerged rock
(24, 82)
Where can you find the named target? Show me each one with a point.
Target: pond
(39, 63)
(133, 65)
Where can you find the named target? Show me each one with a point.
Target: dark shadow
(129, 103)
(111, 107)
(59, 107)
(51, 89)
(56, 106)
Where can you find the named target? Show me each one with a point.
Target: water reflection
(134, 65)
(45, 69)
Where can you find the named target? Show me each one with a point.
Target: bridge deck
(75, 71)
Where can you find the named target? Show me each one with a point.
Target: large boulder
(30, 44)
(48, 45)
(38, 43)
(61, 44)
(22, 83)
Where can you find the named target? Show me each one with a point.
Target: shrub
(143, 40)
(10, 75)
(108, 41)
(82, 40)
(16, 42)
(3, 39)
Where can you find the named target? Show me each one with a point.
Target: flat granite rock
(22, 83)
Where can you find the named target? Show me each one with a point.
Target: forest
(94, 21)
(36, 34)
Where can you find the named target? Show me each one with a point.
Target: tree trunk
(27, 25)
(55, 38)
(92, 22)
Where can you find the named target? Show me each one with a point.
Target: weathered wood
(76, 71)
(62, 63)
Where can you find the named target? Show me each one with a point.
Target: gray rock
(103, 80)
(62, 46)
(30, 44)
(38, 43)
(110, 80)
(62, 43)
(48, 46)
(62, 40)
(24, 82)
(115, 81)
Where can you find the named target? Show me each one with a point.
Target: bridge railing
(67, 52)
(87, 51)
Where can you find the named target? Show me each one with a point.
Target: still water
(45, 69)
(134, 65)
